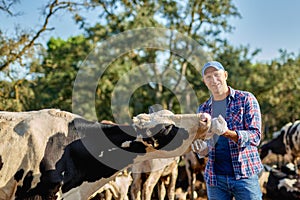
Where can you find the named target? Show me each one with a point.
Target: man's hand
(200, 147)
(218, 125)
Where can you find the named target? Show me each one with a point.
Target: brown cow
(115, 189)
(160, 172)
(194, 167)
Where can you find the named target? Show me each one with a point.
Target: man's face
(215, 80)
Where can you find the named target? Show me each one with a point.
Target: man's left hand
(218, 125)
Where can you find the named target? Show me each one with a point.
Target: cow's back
(24, 136)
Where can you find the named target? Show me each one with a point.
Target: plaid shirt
(243, 116)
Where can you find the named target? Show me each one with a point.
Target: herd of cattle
(283, 181)
(53, 154)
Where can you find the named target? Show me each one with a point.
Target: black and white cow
(292, 142)
(287, 143)
(283, 183)
(50, 154)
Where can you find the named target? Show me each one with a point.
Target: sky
(269, 25)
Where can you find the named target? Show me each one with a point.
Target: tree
(200, 20)
(57, 72)
(168, 70)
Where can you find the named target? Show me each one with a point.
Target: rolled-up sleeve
(250, 134)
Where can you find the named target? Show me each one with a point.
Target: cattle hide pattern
(287, 143)
(48, 154)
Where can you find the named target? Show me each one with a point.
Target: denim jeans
(227, 188)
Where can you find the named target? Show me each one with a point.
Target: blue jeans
(227, 188)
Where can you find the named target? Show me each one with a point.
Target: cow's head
(161, 137)
(196, 126)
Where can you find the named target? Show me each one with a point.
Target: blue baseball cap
(214, 64)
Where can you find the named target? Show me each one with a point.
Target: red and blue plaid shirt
(242, 116)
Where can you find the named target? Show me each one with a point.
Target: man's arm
(231, 135)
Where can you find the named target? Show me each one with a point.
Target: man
(233, 160)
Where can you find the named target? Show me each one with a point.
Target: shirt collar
(232, 92)
(230, 96)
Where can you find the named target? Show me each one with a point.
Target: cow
(54, 154)
(275, 146)
(282, 183)
(190, 182)
(263, 178)
(287, 143)
(156, 172)
(292, 142)
(194, 167)
(115, 189)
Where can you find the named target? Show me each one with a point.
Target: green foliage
(119, 93)
(53, 87)
(14, 95)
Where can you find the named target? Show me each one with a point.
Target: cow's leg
(189, 172)
(108, 194)
(296, 165)
(161, 189)
(114, 190)
(172, 186)
(297, 184)
(135, 189)
(10, 190)
(150, 184)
